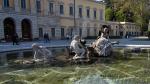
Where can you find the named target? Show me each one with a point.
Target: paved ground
(27, 45)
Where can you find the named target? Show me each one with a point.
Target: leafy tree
(130, 11)
(120, 16)
(108, 14)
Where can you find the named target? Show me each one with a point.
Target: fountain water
(132, 71)
(95, 79)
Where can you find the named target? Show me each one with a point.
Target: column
(16, 5)
(57, 33)
(56, 9)
(46, 7)
(1, 29)
(18, 28)
(35, 30)
(33, 6)
(1, 4)
(84, 32)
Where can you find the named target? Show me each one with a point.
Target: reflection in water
(96, 79)
(133, 70)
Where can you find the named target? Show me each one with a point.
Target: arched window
(38, 6)
(95, 13)
(51, 7)
(80, 12)
(88, 12)
(6, 3)
(23, 4)
(61, 9)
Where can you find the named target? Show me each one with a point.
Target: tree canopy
(128, 10)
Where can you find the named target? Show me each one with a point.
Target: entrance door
(9, 28)
(26, 29)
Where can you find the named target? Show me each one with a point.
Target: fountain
(135, 70)
(41, 53)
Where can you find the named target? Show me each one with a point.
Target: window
(88, 13)
(80, 12)
(23, 4)
(80, 32)
(40, 32)
(38, 5)
(94, 14)
(101, 14)
(88, 32)
(95, 32)
(6, 3)
(51, 8)
(61, 9)
(71, 11)
(53, 32)
(62, 33)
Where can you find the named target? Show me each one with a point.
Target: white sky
(98, 0)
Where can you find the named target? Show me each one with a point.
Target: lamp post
(113, 10)
(74, 17)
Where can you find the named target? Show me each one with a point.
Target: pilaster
(33, 6)
(1, 29)
(19, 28)
(16, 5)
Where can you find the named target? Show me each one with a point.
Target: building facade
(30, 19)
(124, 29)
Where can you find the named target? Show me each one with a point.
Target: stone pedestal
(3, 59)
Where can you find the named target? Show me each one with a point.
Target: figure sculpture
(41, 53)
(77, 47)
(102, 45)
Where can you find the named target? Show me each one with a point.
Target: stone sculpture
(41, 53)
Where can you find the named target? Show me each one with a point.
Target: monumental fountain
(130, 65)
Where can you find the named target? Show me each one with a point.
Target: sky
(98, 0)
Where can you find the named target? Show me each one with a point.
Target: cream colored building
(30, 19)
(124, 28)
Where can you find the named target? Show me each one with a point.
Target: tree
(108, 14)
(130, 11)
(120, 16)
